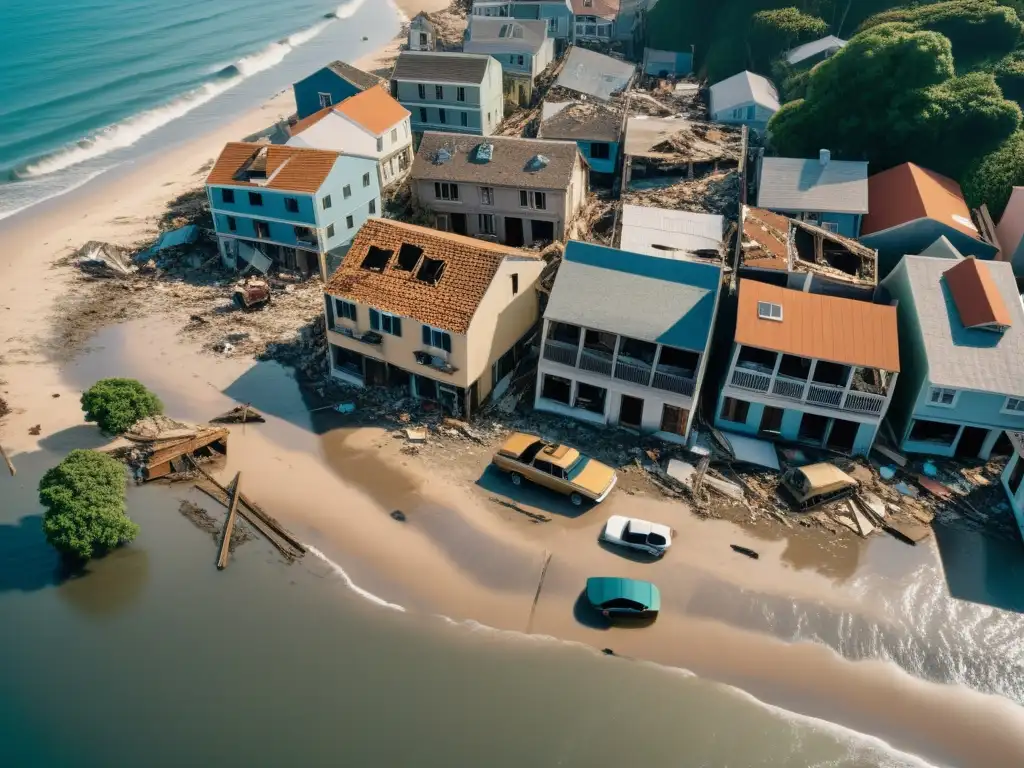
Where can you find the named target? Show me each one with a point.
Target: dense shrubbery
(772, 33)
(84, 497)
(992, 178)
(116, 404)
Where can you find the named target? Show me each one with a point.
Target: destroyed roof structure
(272, 166)
(374, 272)
(815, 50)
(511, 162)
(577, 120)
(671, 234)
(594, 74)
(777, 244)
(911, 207)
(659, 149)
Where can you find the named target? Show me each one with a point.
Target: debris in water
(398, 515)
(887, 473)
(745, 551)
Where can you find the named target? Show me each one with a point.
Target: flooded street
(184, 661)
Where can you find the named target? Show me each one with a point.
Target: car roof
(636, 525)
(518, 442)
(560, 455)
(601, 589)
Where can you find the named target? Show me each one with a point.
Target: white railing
(746, 379)
(672, 383)
(825, 394)
(864, 402)
(595, 362)
(791, 388)
(560, 352)
(637, 373)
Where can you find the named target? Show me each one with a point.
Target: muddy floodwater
(419, 642)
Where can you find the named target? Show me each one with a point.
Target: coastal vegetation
(116, 404)
(935, 83)
(84, 497)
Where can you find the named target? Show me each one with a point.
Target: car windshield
(576, 467)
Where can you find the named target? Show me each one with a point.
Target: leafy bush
(116, 404)
(891, 96)
(772, 33)
(978, 29)
(993, 177)
(1009, 74)
(84, 497)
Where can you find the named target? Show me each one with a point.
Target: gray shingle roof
(959, 357)
(355, 76)
(807, 50)
(507, 166)
(795, 184)
(671, 301)
(644, 228)
(484, 35)
(594, 74)
(743, 88)
(437, 67)
(591, 121)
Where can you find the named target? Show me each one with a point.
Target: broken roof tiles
(293, 169)
(437, 278)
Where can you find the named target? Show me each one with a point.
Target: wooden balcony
(810, 392)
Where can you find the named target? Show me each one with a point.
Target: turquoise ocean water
(87, 85)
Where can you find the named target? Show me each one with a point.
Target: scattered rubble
(715, 193)
(158, 446)
(240, 414)
(240, 533)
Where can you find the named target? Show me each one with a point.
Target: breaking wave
(127, 132)
(352, 585)
(346, 10)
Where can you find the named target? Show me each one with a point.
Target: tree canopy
(84, 497)
(892, 96)
(116, 404)
(774, 32)
(993, 177)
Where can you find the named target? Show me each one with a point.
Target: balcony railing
(636, 373)
(560, 352)
(596, 362)
(823, 395)
(672, 383)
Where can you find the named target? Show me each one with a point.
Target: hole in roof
(442, 156)
(408, 257)
(537, 163)
(376, 259)
(430, 270)
(484, 152)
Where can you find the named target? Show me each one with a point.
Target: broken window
(636, 351)
(408, 257)
(835, 374)
(590, 398)
(938, 432)
(795, 367)
(599, 150)
(673, 419)
(291, 205)
(564, 333)
(735, 410)
(486, 195)
(556, 388)
(679, 362)
(232, 223)
(446, 191)
(255, 198)
(227, 195)
(262, 229)
(756, 359)
(431, 270)
(376, 259)
(812, 428)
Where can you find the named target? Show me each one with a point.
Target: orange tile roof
(975, 294)
(815, 326)
(771, 233)
(470, 266)
(293, 169)
(309, 120)
(909, 192)
(374, 109)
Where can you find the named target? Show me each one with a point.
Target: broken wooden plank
(864, 526)
(229, 525)
(278, 543)
(724, 487)
(240, 414)
(891, 455)
(911, 533)
(10, 466)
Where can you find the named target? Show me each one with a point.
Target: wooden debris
(240, 414)
(7, 460)
(911, 533)
(846, 521)
(229, 525)
(864, 526)
(891, 455)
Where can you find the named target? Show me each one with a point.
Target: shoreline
(460, 555)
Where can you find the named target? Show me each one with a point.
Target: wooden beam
(8, 461)
(229, 525)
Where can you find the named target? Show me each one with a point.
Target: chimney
(824, 156)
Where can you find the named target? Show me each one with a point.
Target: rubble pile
(715, 193)
(701, 142)
(305, 351)
(450, 24)
(595, 222)
(665, 98)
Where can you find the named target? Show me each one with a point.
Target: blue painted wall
(913, 237)
(661, 63)
(308, 90)
(848, 223)
(601, 165)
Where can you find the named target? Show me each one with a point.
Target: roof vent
(537, 163)
(441, 156)
(484, 152)
(824, 157)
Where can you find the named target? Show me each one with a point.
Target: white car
(652, 538)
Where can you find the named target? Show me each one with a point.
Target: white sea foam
(347, 10)
(130, 130)
(352, 585)
(56, 193)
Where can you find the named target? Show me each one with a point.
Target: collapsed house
(156, 446)
(660, 151)
(595, 127)
(803, 256)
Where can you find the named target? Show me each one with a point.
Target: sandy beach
(467, 550)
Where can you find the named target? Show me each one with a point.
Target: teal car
(613, 596)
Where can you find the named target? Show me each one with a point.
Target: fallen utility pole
(229, 525)
(9, 465)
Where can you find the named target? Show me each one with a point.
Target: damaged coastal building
(677, 162)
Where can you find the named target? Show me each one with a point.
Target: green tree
(84, 497)
(891, 96)
(116, 404)
(774, 32)
(978, 29)
(993, 177)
